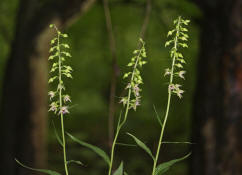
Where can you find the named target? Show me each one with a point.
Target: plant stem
(60, 105)
(168, 102)
(124, 120)
(117, 133)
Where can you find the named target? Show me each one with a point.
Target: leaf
(189, 143)
(163, 167)
(119, 119)
(125, 173)
(97, 150)
(75, 161)
(142, 145)
(125, 144)
(56, 134)
(157, 116)
(39, 170)
(119, 171)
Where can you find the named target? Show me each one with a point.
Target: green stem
(168, 102)
(60, 103)
(117, 133)
(124, 120)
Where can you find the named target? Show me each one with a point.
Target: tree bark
(218, 100)
(24, 110)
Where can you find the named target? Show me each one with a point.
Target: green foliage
(97, 150)
(57, 135)
(119, 171)
(157, 116)
(38, 170)
(142, 145)
(75, 161)
(163, 167)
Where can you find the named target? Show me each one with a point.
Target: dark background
(209, 114)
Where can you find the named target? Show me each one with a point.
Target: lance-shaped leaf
(50, 172)
(56, 134)
(189, 143)
(97, 150)
(157, 116)
(75, 161)
(142, 145)
(119, 171)
(163, 167)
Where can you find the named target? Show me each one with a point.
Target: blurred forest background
(210, 114)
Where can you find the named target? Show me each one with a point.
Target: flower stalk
(132, 100)
(177, 61)
(58, 105)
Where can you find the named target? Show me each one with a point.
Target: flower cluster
(59, 54)
(179, 39)
(133, 98)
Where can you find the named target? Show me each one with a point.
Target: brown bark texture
(24, 109)
(217, 120)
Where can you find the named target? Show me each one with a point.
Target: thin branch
(115, 71)
(146, 20)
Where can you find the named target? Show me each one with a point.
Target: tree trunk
(218, 100)
(24, 110)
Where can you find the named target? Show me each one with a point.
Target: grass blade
(142, 145)
(97, 150)
(38, 170)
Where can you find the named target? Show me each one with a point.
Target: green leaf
(189, 143)
(97, 150)
(39, 170)
(125, 144)
(163, 167)
(142, 145)
(75, 161)
(125, 173)
(119, 119)
(119, 171)
(157, 116)
(56, 134)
